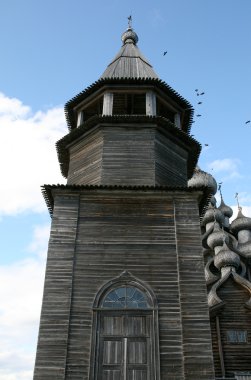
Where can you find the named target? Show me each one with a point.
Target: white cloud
(21, 295)
(12, 107)
(244, 198)
(246, 210)
(39, 243)
(27, 154)
(21, 375)
(227, 167)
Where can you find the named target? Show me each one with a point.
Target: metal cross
(129, 21)
(237, 198)
(219, 188)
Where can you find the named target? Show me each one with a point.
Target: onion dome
(129, 62)
(201, 178)
(129, 36)
(241, 222)
(226, 258)
(212, 215)
(226, 210)
(217, 237)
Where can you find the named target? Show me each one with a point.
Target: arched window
(126, 297)
(125, 331)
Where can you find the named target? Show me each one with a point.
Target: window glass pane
(127, 297)
(236, 336)
(121, 292)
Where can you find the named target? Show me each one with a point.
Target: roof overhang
(164, 125)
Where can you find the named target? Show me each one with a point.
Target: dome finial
(129, 36)
(238, 203)
(219, 189)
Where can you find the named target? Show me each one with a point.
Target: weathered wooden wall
(170, 162)
(95, 236)
(127, 155)
(234, 317)
(197, 345)
(55, 315)
(85, 163)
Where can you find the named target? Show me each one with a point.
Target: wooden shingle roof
(129, 63)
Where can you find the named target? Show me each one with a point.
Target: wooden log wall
(170, 162)
(55, 315)
(86, 160)
(127, 155)
(197, 345)
(155, 236)
(234, 317)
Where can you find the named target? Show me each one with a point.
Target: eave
(203, 193)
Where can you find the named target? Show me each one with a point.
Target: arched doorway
(125, 331)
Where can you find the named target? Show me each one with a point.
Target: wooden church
(146, 279)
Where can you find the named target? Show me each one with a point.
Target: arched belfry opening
(125, 331)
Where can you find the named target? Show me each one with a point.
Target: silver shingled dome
(201, 178)
(226, 258)
(226, 210)
(129, 36)
(241, 222)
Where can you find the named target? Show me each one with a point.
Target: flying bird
(247, 122)
(202, 93)
(196, 90)
(206, 144)
(165, 52)
(199, 103)
(198, 115)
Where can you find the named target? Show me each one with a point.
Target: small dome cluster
(227, 246)
(201, 178)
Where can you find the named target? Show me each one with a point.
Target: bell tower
(125, 295)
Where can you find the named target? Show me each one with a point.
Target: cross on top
(129, 18)
(219, 188)
(237, 198)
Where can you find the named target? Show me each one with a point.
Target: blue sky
(53, 49)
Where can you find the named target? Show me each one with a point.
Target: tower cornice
(181, 138)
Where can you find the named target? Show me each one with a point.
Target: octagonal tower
(125, 295)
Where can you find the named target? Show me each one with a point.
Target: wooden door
(125, 346)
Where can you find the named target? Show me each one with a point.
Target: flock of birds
(198, 93)
(201, 93)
